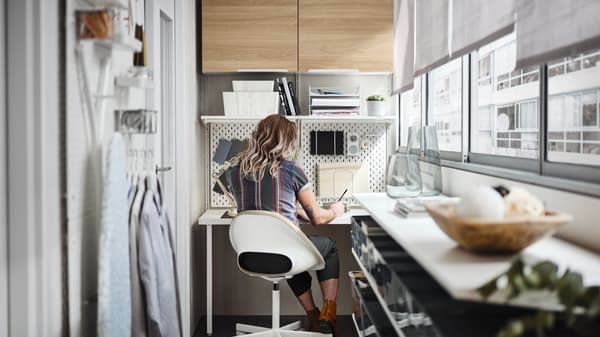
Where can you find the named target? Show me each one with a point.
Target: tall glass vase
(431, 169)
(403, 177)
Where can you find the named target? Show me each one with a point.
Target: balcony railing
(517, 77)
(572, 64)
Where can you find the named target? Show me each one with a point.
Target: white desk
(213, 217)
(461, 272)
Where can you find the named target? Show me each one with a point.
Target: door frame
(33, 168)
(184, 79)
(155, 11)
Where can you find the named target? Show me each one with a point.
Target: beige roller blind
(551, 29)
(404, 45)
(431, 34)
(479, 22)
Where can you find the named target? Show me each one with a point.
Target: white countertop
(212, 216)
(461, 272)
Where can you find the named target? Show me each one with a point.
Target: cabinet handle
(262, 70)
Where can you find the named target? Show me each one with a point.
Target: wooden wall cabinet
(249, 34)
(346, 34)
(297, 35)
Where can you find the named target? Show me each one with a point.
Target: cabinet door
(249, 34)
(346, 34)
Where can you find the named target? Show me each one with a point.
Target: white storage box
(251, 104)
(230, 103)
(254, 86)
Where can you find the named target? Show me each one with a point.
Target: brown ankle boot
(327, 319)
(313, 320)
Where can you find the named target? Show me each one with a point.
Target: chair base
(276, 330)
(289, 330)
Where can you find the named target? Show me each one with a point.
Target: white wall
(583, 230)
(187, 147)
(33, 109)
(83, 175)
(3, 189)
(198, 183)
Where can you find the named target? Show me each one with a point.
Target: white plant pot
(376, 108)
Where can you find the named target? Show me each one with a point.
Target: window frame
(423, 98)
(449, 155)
(576, 172)
(494, 160)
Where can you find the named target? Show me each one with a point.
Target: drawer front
(392, 272)
(369, 318)
(359, 313)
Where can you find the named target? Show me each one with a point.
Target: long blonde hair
(273, 141)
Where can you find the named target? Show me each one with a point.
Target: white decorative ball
(484, 203)
(519, 202)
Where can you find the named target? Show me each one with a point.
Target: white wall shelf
(107, 3)
(311, 73)
(317, 119)
(104, 96)
(346, 119)
(127, 43)
(134, 82)
(461, 272)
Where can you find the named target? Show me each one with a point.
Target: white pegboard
(375, 154)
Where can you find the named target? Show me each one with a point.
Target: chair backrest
(269, 245)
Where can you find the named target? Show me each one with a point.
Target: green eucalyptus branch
(580, 303)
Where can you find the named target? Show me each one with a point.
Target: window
(573, 110)
(589, 109)
(485, 70)
(410, 110)
(445, 105)
(505, 114)
(528, 115)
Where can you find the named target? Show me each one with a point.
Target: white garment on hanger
(157, 265)
(138, 303)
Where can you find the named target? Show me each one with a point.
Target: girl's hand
(338, 208)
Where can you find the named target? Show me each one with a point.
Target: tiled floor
(224, 326)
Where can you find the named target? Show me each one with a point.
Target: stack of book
(334, 101)
(287, 97)
(415, 207)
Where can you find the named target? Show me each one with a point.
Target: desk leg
(209, 281)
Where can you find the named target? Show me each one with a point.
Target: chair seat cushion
(265, 263)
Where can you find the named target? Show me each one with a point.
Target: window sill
(573, 186)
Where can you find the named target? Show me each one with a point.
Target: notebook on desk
(333, 179)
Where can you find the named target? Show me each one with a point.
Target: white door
(3, 189)
(160, 40)
(161, 24)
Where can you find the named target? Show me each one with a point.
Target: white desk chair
(270, 246)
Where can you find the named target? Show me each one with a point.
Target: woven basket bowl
(508, 235)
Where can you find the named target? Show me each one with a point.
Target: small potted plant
(376, 105)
